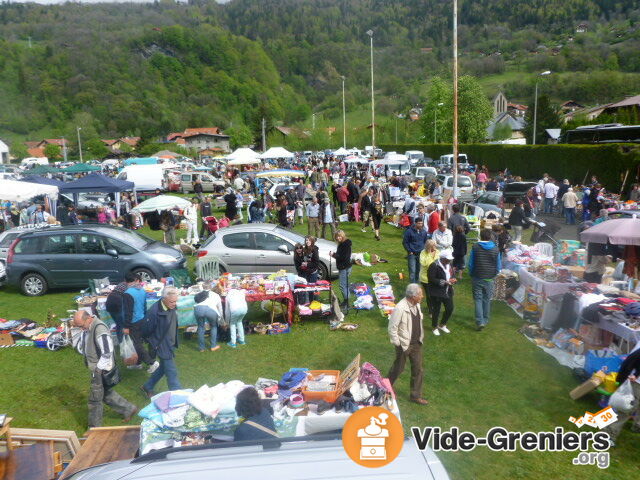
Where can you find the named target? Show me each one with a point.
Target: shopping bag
(622, 400)
(128, 351)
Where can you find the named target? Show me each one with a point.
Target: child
(235, 310)
(459, 250)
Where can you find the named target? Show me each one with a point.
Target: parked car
(424, 173)
(414, 156)
(70, 256)
(6, 239)
(282, 458)
(465, 186)
(262, 248)
(446, 161)
(209, 182)
(502, 201)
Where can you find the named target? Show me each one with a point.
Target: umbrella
(280, 173)
(620, 231)
(162, 202)
(81, 168)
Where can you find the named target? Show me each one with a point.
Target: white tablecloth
(538, 285)
(630, 335)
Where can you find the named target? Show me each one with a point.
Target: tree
(502, 132)
(547, 117)
(97, 148)
(474, 111)
(240, 136)
(18, 150)
(52, 151)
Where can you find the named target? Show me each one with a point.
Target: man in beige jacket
(407, 334)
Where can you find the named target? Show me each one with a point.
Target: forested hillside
(147, 69)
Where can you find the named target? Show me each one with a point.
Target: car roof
(85, 227)
(299, 459)
(248, 227)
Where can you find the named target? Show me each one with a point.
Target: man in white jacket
(443, 237)
(191, 216)
(406, 334)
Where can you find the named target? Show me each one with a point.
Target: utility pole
(373, 115)
(79, 142)
(313, 121)
(535, 106)
(455, 99)
(396, 115)
(344, 117)
(29, 42)
(64, 149)
(264, 136)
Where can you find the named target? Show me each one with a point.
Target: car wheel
(144, 274)
(323, 272)
(33, 285)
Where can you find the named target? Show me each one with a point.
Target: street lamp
(79, 142)
(373, 116)
(435, 122)
(344, 116)
(535, 106)
(64, 149)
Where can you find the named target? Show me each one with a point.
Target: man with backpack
(162, 328)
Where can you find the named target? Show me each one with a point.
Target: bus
(607, 133)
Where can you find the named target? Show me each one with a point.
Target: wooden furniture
(64, 441)
(33, 462)
(105, 444)
(6, 431)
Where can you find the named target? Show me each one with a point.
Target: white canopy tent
(277, 152)
(243, 156)
(162, 202)
(342, 152)
(14, 191)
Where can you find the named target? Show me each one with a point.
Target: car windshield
(135, 239)
(294, 237)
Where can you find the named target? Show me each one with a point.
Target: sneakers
(444, 329)
(241, 342)
(153, 367)
(232, 345)
(217, 347)
(479, 327)
(436, 332)
(364, 230)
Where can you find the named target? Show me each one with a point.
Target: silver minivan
(209, 182)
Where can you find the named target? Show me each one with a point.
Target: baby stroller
(212, 224)
(544, 232)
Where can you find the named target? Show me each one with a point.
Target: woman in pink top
(102, 215)
(481, 179)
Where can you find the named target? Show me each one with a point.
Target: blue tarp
(141, 161)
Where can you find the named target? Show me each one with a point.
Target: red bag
(405, 220)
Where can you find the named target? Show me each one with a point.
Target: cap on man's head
(446, 254)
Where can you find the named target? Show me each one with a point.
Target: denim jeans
(236, 328)
(482, 292)
(570, 215)
(414, 267)
(548, 205)
(167, 368)
(343, 276)
(205, 314)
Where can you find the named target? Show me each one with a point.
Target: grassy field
(473, 380)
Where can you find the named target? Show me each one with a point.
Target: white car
(465, 186)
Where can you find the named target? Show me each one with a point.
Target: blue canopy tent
(141, 161)
(53, 199)
(96, 182)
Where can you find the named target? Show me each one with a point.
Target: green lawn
(473, 380)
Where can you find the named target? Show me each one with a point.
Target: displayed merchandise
(303, 402)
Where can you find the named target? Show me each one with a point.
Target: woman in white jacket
(191, 216)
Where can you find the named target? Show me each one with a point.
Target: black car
(70, 256)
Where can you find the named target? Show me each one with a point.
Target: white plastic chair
(545, 249)
(208, 268)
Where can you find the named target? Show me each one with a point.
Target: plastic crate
(40, 343)
(329, 396)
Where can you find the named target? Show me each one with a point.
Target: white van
(447, 160)
(414, 156)
(145, 177)
(32, 161)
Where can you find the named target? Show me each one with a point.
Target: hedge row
(608, 162)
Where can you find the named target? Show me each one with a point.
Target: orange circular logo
(372, 437)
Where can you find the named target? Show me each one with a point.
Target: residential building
(516, 124)
(570, 106)
(517, 110)
(201, 139)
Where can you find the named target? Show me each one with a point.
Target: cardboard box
(576, 271)
(586, 387)
(6, 339)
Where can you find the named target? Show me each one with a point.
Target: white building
(4, 152)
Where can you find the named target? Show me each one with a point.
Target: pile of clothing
(364, 299)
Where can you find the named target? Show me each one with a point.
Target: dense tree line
(147, 69)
